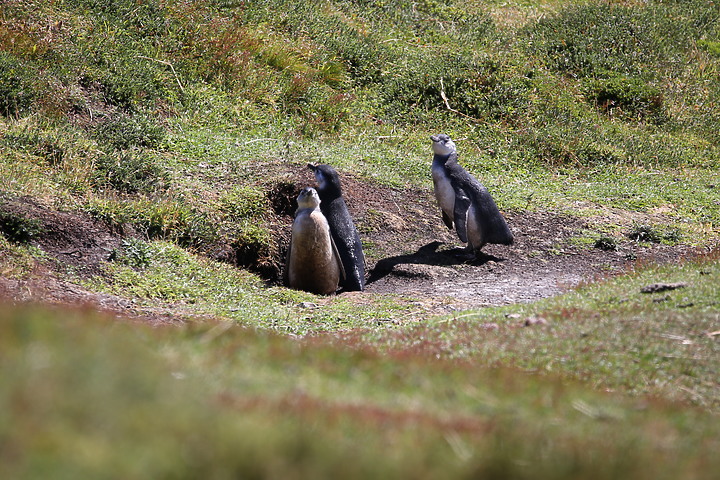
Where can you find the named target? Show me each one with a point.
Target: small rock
(662, 287)
(308, 305)
(535, 320)
(490, 326)
(513, 316)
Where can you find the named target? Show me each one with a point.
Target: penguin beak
(434, 138)
(312, 167)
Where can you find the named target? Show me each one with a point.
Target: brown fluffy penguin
(313, 263)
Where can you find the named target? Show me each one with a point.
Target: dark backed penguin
(464, 201)
(313, 263)
(342, 227)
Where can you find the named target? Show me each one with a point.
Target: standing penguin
(342, 227)
(313, 263)
(464, 201)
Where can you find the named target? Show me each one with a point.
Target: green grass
(183, 120)
(88, 396)
(607, 334)
(160, 275)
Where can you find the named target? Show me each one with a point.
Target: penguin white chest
(444, 192)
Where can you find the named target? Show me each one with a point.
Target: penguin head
(308, 198)
(442, 145)
(327, 178)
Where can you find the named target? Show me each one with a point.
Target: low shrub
(584, 41)
(625, 97)
(243, 202)
(17, 91)
(655, 234)
(157, 220)
(133, 253)
(129, 171)
(49, 146)
(19, 229)
(126, 131)
(605, 243)
(645, 233)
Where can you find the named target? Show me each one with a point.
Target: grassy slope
(92, 103)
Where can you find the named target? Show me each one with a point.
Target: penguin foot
(481, 258)
(462, 254)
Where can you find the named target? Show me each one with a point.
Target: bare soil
(413, 253)
(409, 252)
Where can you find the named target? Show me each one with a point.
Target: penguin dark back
(342, 227)
(464, 202)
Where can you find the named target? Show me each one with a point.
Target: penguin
(313, 263)
(464, 201)
(342, 227)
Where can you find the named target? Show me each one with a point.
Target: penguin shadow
(430, 255)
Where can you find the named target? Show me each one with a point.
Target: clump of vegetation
(127, 131)
(48, 146)
(164, 220)
(590, 39)
(625, 98)
(654, 234)
(244, 209)
(606, 243)
(133, 252)
(711, 46)
(255, 248)
(645, 233)
(17, 89)
(243, 202)
(18, 228)
(130, 171)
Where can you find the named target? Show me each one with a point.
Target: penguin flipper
(462, 204)
(338, 261)
(447, 220)
(492, 221)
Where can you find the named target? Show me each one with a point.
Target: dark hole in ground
(283, 198)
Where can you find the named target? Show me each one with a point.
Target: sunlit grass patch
(612, 334)
(161, 274)
(16, 261)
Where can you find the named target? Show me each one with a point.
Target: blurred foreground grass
(82, 396)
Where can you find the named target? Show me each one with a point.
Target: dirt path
(411, 252)
(541, 263)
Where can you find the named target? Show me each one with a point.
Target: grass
(606, 334)
(184, 122)
(228, 402)
(160, 275)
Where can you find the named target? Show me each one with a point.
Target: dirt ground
(409, 252)
(413, 253)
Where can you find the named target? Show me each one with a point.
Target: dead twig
(447, 104)
(164, 62)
